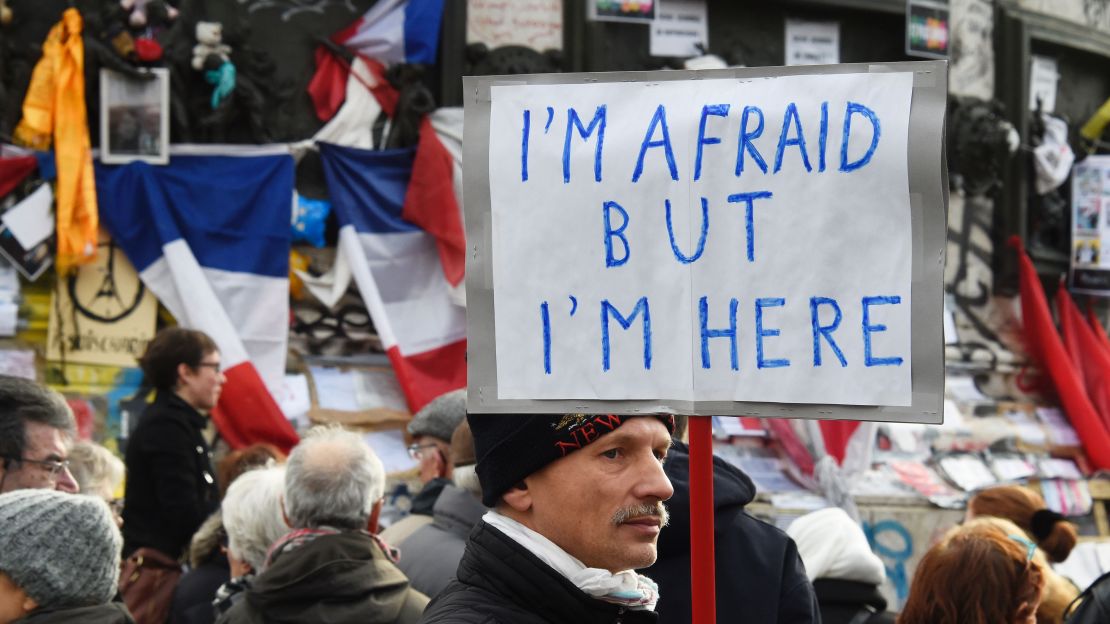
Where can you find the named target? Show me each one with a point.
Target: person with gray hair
(331, 567)
(99, 473)
(252, 520)
(36, 427)
(431, 430)
(430, 555)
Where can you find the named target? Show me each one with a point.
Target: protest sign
(762, 241)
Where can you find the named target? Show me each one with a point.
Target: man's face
(200, 386)
(45, 445)
(603, 503)
(431, 453)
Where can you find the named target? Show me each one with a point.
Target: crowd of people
(577, 518)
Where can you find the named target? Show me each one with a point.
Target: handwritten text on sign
(734, 240)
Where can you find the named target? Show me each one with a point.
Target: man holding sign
(577, 507)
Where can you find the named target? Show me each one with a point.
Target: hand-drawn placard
(736, 241)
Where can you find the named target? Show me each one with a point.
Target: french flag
(398, 265)
(396, 31)
(210, 237)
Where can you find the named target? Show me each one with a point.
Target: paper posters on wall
(972, 69)
(1090, 226)
(812, 43)
(101, 314)
(536, 24)
(710, 240)
(680, 26)
(1043, 79)
(638, 11)
(927, 28)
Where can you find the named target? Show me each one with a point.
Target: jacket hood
(731, 489)
(111, 613)
(457, 511)
(349, 568)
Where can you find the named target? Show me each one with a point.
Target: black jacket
(171, 489)
(500, 582)
(760, 577)
(335, 579)
(842, 602)
(111, 613)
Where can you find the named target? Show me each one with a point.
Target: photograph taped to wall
(135, 118)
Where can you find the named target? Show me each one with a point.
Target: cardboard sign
(735, 241)
(102, 313)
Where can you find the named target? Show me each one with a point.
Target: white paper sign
(31, 221)
(720, 240)
(812, 43)
(537, 24)
(679, 26)
(1043, 77)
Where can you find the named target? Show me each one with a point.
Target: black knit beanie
(509, 447)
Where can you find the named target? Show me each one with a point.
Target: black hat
(509, 447)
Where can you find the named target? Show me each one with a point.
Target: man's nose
(66, 482)
(654, 482)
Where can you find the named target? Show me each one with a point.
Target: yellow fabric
(55, 108)
(1097, 123)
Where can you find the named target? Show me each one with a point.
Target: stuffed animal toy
(210, 44)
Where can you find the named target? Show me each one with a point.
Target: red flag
(1046, 348)
(1100, 331)
(836, 434)
(15, 170)
(1088, 356)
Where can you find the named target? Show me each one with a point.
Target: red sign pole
(702, 570)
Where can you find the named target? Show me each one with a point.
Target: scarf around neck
(626, 588)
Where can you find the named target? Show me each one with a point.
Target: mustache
(658, 510)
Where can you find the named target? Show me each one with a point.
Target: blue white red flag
(399, 265)
(210, 237)
(396, 31)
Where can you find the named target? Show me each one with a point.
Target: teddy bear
(210, 43)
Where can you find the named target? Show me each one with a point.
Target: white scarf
(626, 588)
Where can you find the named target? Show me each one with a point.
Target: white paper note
(31, 221)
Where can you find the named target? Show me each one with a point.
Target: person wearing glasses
(36, 427)
(171, 485)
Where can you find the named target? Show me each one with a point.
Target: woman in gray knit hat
(59, 559)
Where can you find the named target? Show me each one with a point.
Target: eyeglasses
(415, 450)
(1030, 547)
(215, 366)
(53, 466)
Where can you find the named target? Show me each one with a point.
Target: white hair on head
(251, 512)
(95, 468)
(332, 479)
(466, 478)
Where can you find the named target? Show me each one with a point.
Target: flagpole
(702, 568)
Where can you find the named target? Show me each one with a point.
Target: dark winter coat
(430, 556)
(335, 579)
(193, 596)
(171, 489)
(501, 582)
(425, 500)
(111, 613)
(760, 577)
(844, 601)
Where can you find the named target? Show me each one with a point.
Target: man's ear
(29, 604)
(375, 513)
(285, 516)
(518, 498)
